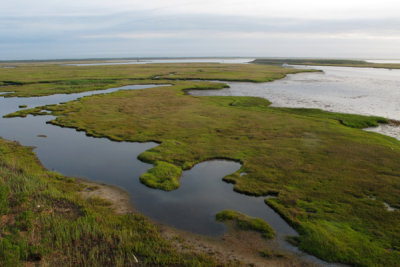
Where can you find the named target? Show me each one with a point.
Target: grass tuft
(163, 175)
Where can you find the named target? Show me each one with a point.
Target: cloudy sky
(48, 29)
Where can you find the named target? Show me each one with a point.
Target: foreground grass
(245, 222)
(327, 62)
(46, 79)
(323, 171)
(44, 221)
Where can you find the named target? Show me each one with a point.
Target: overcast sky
(48, 29)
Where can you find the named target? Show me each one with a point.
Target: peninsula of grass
(37, 111)
(45, 222)
(350, 120)
(163, 175)
(244, 222)
(326, 62)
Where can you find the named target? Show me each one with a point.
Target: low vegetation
(45, 221)
(37, 111)
(322, 168)
(163, 176)
(326, 62)
(245, 222)
(350, 120)
(48, 79)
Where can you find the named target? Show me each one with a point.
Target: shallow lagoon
(365, 91)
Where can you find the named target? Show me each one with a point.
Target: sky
(54, 29)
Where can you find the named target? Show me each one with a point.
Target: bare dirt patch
(119, 198)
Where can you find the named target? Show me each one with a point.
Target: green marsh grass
(31, 79)
(163, 175)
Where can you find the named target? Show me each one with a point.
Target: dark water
(192, 207)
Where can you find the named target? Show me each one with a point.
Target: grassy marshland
(327, 62)
(47, 79)
(245, 222)
(45, 221)
(323, 169)
(163, 176)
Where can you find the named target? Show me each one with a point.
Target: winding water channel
(202, 193)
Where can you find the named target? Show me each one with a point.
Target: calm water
(147, 61)
(364, 91)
